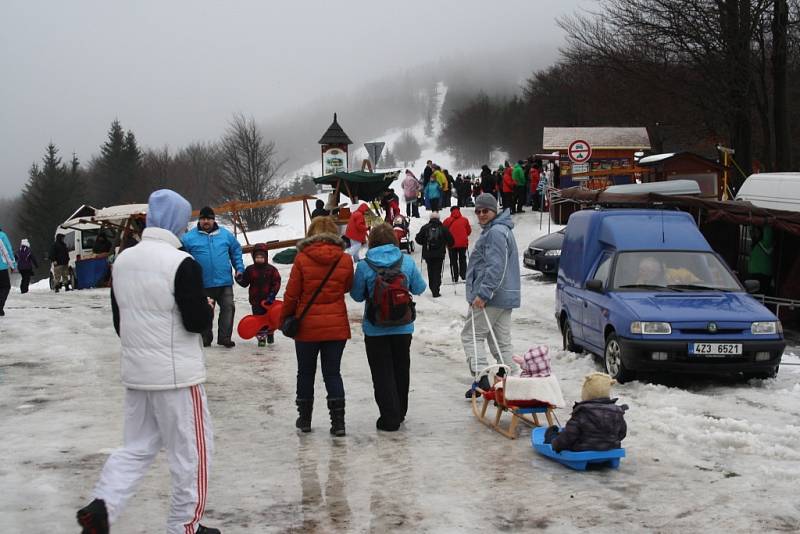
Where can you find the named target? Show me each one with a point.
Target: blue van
(643, 290)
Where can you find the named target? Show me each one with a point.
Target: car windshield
(672, 271)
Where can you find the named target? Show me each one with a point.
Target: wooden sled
(521, 411)
(575, 460)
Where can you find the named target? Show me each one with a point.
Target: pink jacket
(410, 187)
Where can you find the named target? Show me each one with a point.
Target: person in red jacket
(508, 188)
(535, 175)
(356, 231)
(460, 229)
(325, 329)
(264, 281)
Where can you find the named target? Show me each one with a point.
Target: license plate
(532, 263)
(715, 349)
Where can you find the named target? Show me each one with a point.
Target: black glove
(550, 433)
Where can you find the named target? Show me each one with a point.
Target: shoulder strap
(314, 296)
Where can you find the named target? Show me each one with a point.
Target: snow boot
(208, 530)
(483, 383)
(304, 409)
(262, 342)
(270, 338)
(94, 518)
(336, 408)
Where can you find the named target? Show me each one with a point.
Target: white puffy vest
(157, 351)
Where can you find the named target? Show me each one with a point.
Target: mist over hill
(374, 106)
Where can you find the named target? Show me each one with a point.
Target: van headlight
(554, 252)
(766, 327)
(647, 327)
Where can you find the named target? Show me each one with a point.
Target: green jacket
(518, 175)
(761, 254)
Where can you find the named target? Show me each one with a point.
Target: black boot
(336, 407)
(94, 518)
(304, 409)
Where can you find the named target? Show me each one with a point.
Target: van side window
(603, 268)
(69, 240)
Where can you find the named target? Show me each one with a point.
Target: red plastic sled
(250, 325)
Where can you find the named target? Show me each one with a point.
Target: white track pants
(500, 320)
(355, 249)
(177, 420)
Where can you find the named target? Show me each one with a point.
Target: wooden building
(685, 166)
(334, 149)
(612, 159)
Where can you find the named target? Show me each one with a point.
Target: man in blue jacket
(493, 288)
(216, 250)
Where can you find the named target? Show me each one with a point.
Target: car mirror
(752, 286)
(594, 285)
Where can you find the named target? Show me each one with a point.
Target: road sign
(374, 151)
(579, 151)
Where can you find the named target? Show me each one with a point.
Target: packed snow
(702, 455)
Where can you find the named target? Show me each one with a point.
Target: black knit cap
(207, 213)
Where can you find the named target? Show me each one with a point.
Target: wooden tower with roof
(334, 144)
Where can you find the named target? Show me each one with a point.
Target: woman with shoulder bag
(387, 323)
(314, 301)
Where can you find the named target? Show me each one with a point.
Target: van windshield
(671, 270)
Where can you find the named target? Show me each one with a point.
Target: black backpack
(435, 238)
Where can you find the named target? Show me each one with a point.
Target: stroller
(400, 225)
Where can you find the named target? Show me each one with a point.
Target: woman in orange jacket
(324, 330)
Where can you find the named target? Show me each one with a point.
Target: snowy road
(709, 456)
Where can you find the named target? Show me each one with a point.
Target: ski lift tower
(334, 149)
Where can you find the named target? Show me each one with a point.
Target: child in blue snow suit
(264, 281)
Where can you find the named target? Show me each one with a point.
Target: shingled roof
(557, 138)
(335, 135)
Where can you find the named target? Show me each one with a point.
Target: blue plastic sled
(575, 460)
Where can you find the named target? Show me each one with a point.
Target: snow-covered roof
(559, 138)
(655, 158)
(119, 212)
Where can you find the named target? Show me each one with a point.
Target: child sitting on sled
(596, 424)
(264, 281)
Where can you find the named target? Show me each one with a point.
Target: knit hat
(25, 243)
(597, 386)
(485, 200)
(207, 213)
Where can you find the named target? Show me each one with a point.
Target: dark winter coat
(487, 180)
(264, 281)
(595, 425)
(59, 253)
(426, 175)
(437, 252)
(459, 227)
(26, 261)
(319, 210)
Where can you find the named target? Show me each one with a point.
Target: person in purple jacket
(26, 263)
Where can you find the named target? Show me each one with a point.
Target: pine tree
(52, 193)
(119, 168)
(407, 148)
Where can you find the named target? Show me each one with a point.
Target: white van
(118, 223)
(773, 190)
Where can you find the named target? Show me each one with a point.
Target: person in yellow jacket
(440, 178)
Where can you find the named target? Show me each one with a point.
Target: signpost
(579, 151)
(374, 151)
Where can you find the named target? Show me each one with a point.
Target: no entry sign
(579, 151)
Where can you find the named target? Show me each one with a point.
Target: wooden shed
(685, 166)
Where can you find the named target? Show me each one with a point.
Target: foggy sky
(175, 72)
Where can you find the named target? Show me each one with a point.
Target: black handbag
(291, 325)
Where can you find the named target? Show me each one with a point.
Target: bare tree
(249, 170)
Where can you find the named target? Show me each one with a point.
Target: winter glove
(270, 298)
(550, 433)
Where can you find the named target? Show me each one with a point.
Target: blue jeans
(331, 356)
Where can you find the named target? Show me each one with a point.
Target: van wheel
(612, 357)
(568, 342)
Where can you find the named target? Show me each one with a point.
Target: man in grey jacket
(493, 288)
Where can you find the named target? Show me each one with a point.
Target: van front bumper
(637, 355)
